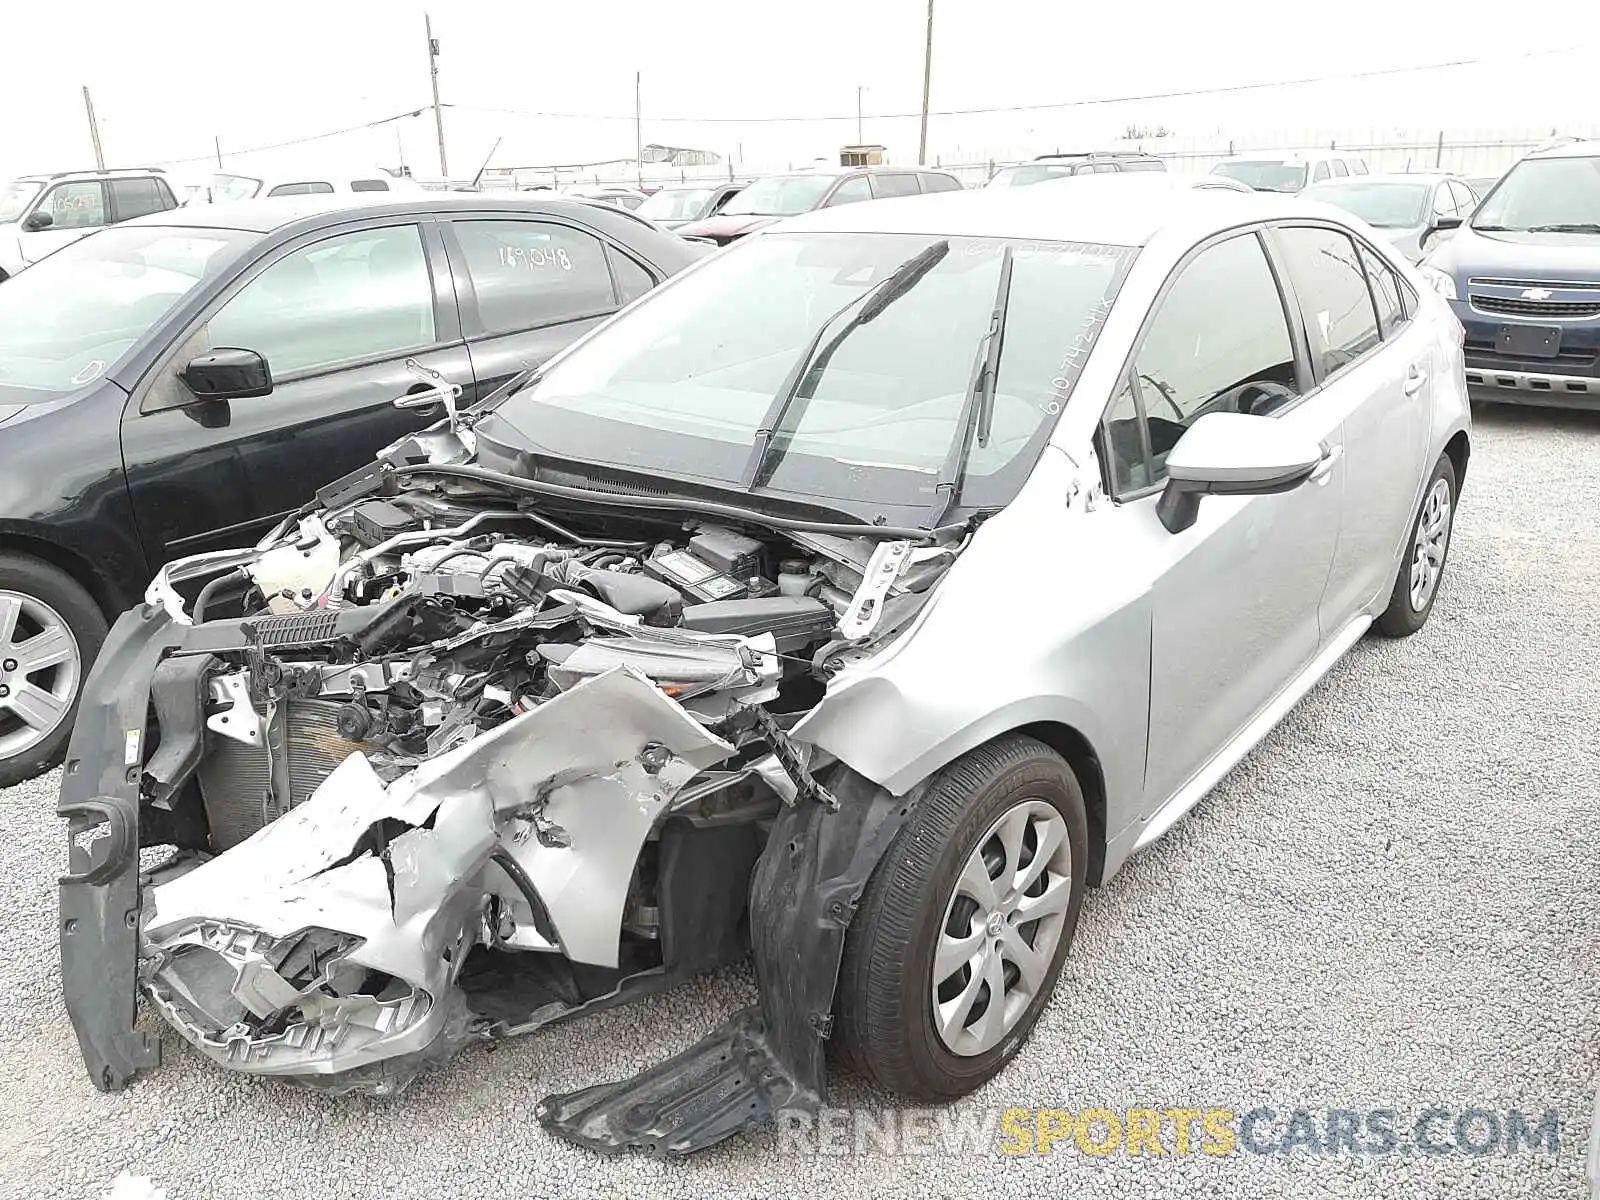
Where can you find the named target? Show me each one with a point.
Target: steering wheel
(1166, 395)
(1262, 396)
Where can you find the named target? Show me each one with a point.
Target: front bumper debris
(273, 927)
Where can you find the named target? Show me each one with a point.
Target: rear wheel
(964, 927)
(50, 632)
(1422, 565)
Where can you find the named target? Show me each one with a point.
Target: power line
(950, 112)
(299, 141)
(1060, 104)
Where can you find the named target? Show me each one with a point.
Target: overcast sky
(168, 77)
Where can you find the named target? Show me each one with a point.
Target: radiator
(233, 777)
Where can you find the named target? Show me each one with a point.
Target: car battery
(718, 564)
(695, 577)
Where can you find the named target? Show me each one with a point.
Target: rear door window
(137, 198)
(527, 274)
(1385, 293)
(1339, 168)
(895, 185)
(1332, 289)
(369, 185)
(1320, 173)
(307, 188)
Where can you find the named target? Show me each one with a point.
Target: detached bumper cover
(100, 892)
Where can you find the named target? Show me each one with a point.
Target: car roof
(1387, 177)
(268, 216)
(841, 172)
(1116, 216)
(1588, 149)
(91, 173)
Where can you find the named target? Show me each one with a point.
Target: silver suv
(39, 214)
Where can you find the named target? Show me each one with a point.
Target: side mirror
(38, 219)
(228, 374)
(1236, 454)
(1440, 224)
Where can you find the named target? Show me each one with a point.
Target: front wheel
(1422, 566)
(963, 929)
(50, 632)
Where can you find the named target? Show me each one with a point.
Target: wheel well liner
(1459, 449)
(1075, 748)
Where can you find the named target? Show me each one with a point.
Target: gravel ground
(1390, 904)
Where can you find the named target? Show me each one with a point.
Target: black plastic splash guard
(771, 1057)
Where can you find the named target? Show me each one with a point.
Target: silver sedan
(854, 601)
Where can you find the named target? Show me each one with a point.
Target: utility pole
(216, 141)
(927, 81)
(860, 140)
(638, 131)
(438, 112)
(94, 131)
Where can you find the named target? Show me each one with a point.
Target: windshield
(681, 384)
(72, 316)
(225, 188)
(780, 196)
(1265, 175)
(1555, 194)
(679, 205)
(1386, 205)
(1026, 173)
(15, 198)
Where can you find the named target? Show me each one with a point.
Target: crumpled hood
(1542, 257)
(725, 228)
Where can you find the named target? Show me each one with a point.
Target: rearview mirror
(38, 219)
(1236, 454)
(228, 374)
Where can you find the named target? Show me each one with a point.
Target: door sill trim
(1208, 776)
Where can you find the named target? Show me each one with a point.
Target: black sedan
(179, 382)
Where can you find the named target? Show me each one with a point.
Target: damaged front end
(452, 770)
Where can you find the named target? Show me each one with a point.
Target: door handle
(1415, 378)
(1323, 469)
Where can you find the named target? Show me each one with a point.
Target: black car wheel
(963, 929)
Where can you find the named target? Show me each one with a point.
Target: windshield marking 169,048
(682, 385)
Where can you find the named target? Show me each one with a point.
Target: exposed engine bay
(454, 765)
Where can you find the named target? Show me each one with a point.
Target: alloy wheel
(39, 669)
(1002, 924)
(1433, 539)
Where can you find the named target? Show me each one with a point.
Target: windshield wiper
(978, 409)
(1568, 227)
(801, 382)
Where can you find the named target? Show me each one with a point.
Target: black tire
(1402, 618)
(82, 617)
(885, 1028)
